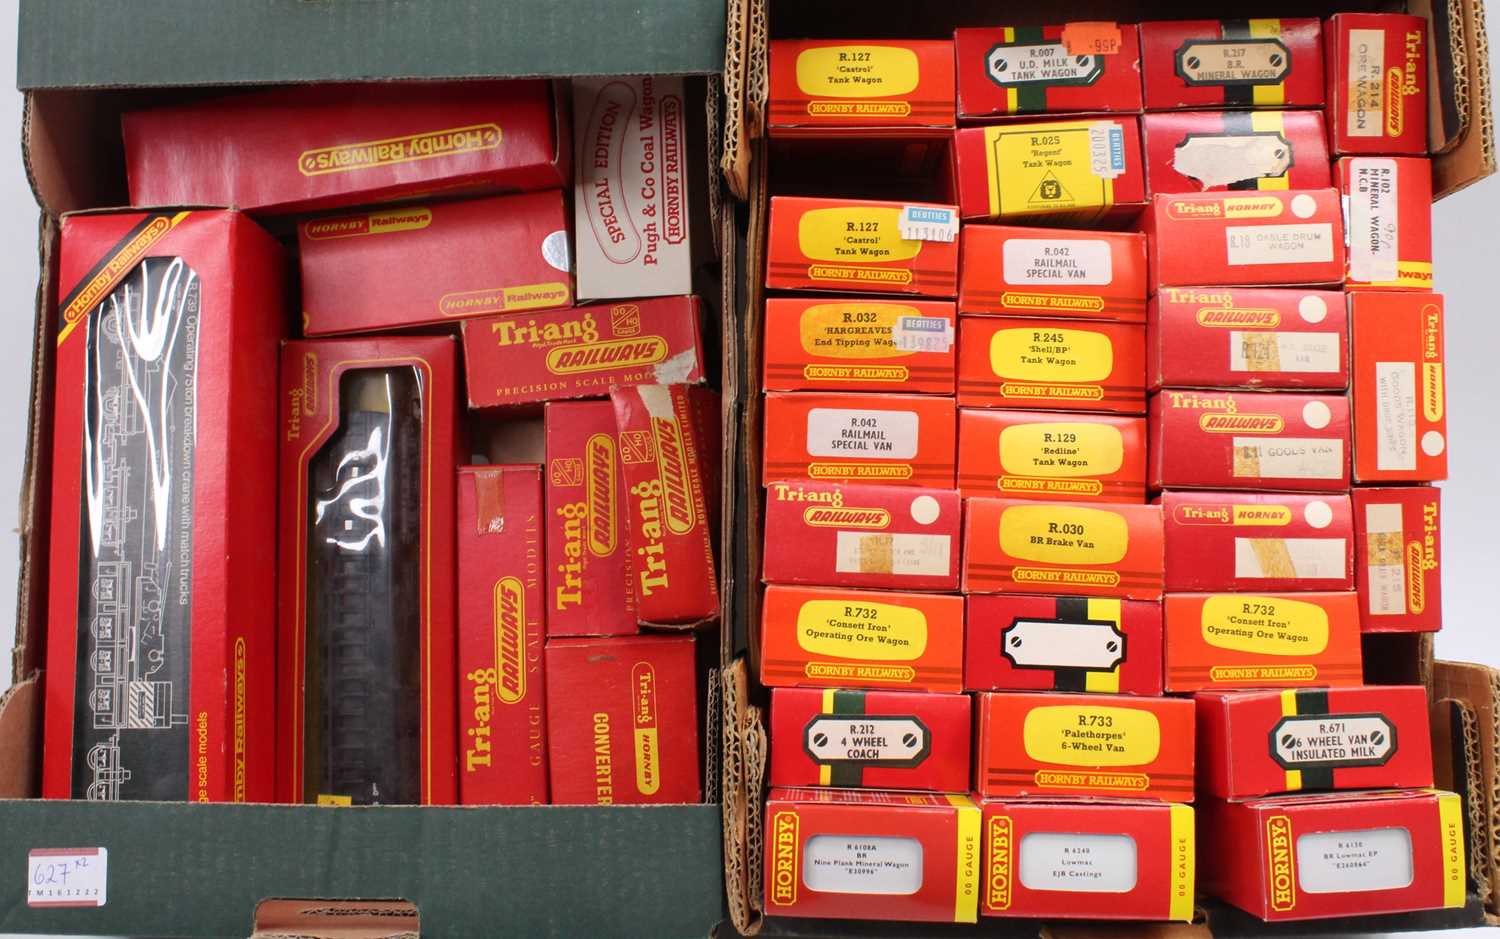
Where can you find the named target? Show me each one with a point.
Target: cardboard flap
(336, 919)
(1455, 758)
(1477, 688)
(734, 161)
(21, 740)
(1461, 130)
(737, 801)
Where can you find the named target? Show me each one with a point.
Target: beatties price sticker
(66, 876)
(927, 223)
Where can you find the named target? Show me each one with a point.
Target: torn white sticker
(1217, 160)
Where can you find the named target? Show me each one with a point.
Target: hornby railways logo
(822, 516)
(998, 880)
(343, 158)
(90, 294)
(373, 223)
(1229, 318)
(784, 843)
(599, 476)
(1280, 865)
(510, 639)
(671, 467)
(241, 667)
(1054, 302)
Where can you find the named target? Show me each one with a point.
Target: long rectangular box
(853, 739)
(1258, 541)
(822, 87)
(1377, 83)
(502, 699)
(1389, 221)
(1215, 151)
(1259, 743)
(823, 637)
(857, 344)
(1397, 390)
(905, 440)
(1398, 558)
(1012, 271)
(1071, 172)
(1258, 63)
(1021, 362)
(1285, 238)
(1100, 860)
(1261, 640)
(860, 854)
(1086, 67)
(1088, 549)
(1307, 857)
(1052, 455)
(861, 535)
(1247, 440)
(1079, 644)
(369, 452)
(862, 246)
(1083, 745)
(162, 577)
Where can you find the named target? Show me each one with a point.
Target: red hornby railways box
(1052, 455)
(1258, 541)
(1245, 337)
(369, 456)
(1289, 238)
(1083, 744)
(1072, 172)
(1082, 67)
(1261, 640)
(477, 256)
(1264, 63)
(822, 87)
(1377, 83)
(1397, 560)
(1246, 440)
(862, 246)
(582, 352)
(825, 637)
(1009, 271)
(669, 456)
(1303, 857)
(306, 148)
(622, 720)
(1099, 860)
(1092, 644)
(160, 653)
(862, 854)
(1021, 362)
(895, 439)
(869, 739)
(861, 535)
(1258, 743)
(1388, 221)
(1089, 549)
(589, 580)
(1213, 151)
(502, 716)
(854, 344)
(1400, 413)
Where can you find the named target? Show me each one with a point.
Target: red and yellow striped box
(1084, 549)
(1261, 640)
(1019, 362)
(859, 344)
(1052, 455)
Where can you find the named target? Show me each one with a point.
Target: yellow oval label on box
(854, 234)
(1064, 355)
(1063, 449)
(857, 71)
(849, 629)
(853, 330)
(1264, 625)
(1086, 735)
(1063, 534)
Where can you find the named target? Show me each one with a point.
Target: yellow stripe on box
(1451, 830)
(966, 886)
(1184, 860)
(1289, 709)
(1268, 96)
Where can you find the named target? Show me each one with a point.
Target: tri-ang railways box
(1248, 440)
(1246, 337)
(1398, 557)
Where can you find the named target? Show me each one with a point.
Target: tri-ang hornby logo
(1280, 863)
(823, 516)
(600, 481)
(510, 639)
(672, 468)
(1202, 514)
(998, 879)
(784, 850)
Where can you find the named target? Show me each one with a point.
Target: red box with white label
(852, 739)
(855, 88)
(1261, 640)
(622, 720)
(1302, 857)
(1289, 238)
(853, 344)
(1247, 337)
(1074, 172)
(1021, 362)
(1232, 64)
(669, 456)
(1388, 221)
(502, 713)
(895, 439)
(161, 590)
(1397, 387)
(589, 578)
(1090, 549)
(477, 256)
(1216, 151)
(1079, 644)
(1259, 743)
(862, 246)
(1096, 859)
(1087, 67)
(1052, 455)
(1114, 746)
(311, 147)
(1249, 440)
(1011, 271)
(861, 535)
(1377, 83)
(1398, 558)
(1258, 541)
(867, 854)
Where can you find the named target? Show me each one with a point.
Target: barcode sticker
(928, 223)
(66, 876)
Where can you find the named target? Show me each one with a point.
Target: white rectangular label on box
(1284, 352)
(67, 877)
(1385, 548)
(1372, 202)
(1057, 261)
(856, 433)
(1296, 558)
(1396, 415)
(1077, 863)
(1366, 83)
(862, 552)
(1310, 243)
(1354, 861)
(1288, 458)
(862, 864)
